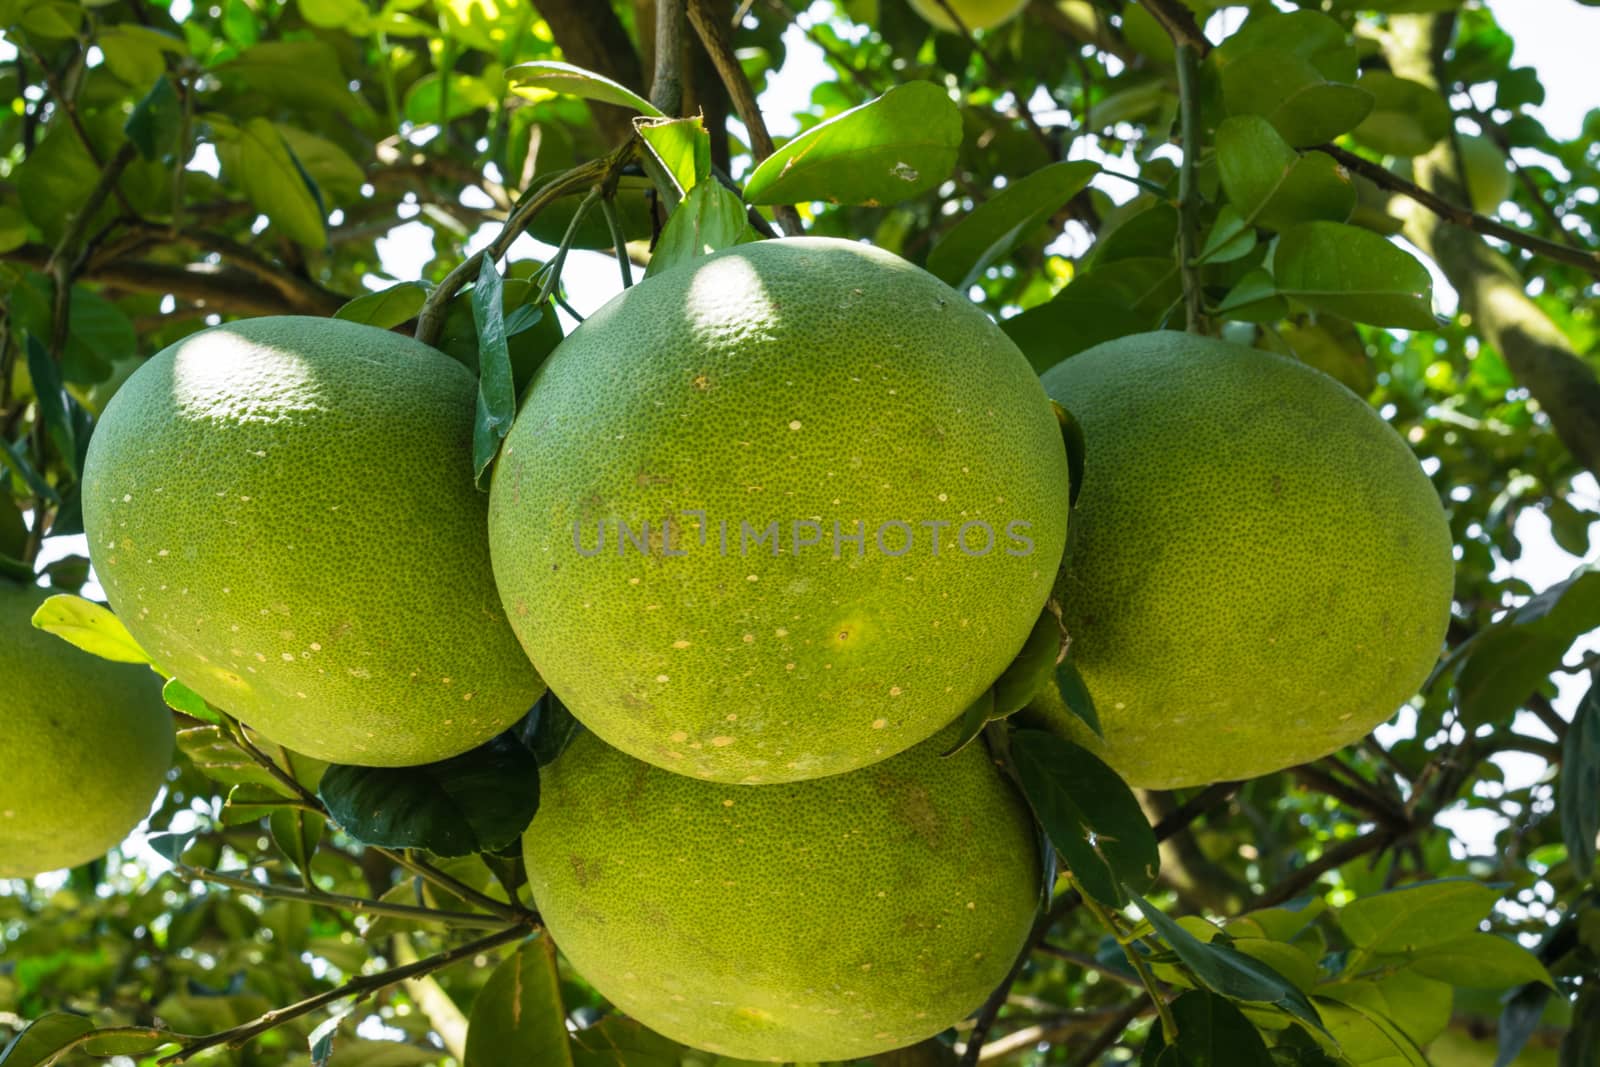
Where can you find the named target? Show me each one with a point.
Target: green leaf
(1077, 449)
(1292, 94)
(1211, 1033)
(979, 714)
(1578, 788)
(135, 54)
(255, 158)
(1480, 961)
(215, 755)
(994, 227)
(1310, 35)
(890, 149)
(1420, 1007)
(1230, 238)
(1274, 186)
(1253, 298)
(43, 1040)
(475, 802)
(1407, 118)
(180, 697)
(154, 123)
(1032, 668)
(1416, 916)
(13, 228)
(1075, 695)
(297, 834)
(305, 74)
(1123, 297)
(327, 166)
(497, 395)
(681, 147)
(1348, 271)
(386, 308)
(1090, 815)
(518, 1017)
(54, 404)
(90, 626)
(528, 79)
(15, 458)
(548, 728)
(438, 97)
(1507, 661)
(250, 802)
(1368, 1038)
(1227, 971)
(710, 218)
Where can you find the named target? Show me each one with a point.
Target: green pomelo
(974, 14)
(820, 920)
(85, 742)
(769, 395)
(1260, 570)
(1488, 173)
(282, 512)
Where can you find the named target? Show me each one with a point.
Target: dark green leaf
(214, 754)
(1417, 916)
(973, 720)
(1311, 35)
(155, 121)
(1230, 238)
(1211, 1033)
(386, 308)
(889, 149)
(1091, 815)
(497, 395)
(518, 1017)
(548, 728)
(1075, 694)
(297, 834)
(1348, 271)
(1123, 297)
(995, 226)
(710, 218)
(250, 803)
(575, 81)
(1072, 438)
(1253, 298)
(1578, 788)
(1507, 661)
(53, 402)
(1520, 1020)
(475, 802)
(1581, 1046)
(1227, 971)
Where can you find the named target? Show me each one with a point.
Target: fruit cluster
(759, 846)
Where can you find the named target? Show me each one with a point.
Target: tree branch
(666, 84)
(719, 45)
(1334, 858)
(1453, 213)
(1180, 25)
(1188, 61)
(360, 986)
(338, 901)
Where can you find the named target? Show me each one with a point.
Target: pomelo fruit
(86, 743)
(1260, 572)
(820, 920)
(282, 512)
(974, 14)
(726, 428)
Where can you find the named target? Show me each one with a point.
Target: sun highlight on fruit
(779, 513)
(282, 512)
(820, 920)
(85, 742)
(1261, 572)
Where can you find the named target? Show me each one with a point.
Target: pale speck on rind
(727, 803)
(895, 690)
(663, 679)
(721, 742)
(680, 643)
(752, 578)
(732, 717)
(288, 657)
(749, 639)
(794, 424)
(878, 724)
(679, 736)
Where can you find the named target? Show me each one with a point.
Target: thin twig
(718, 42)
(1108, 1036)
(997, 70)
(1584, 259)
(1188, 61)
(1180, 25)
(1169, 1024)
(619, 240)
(431, 318)
(339, 901)
(1336, 857)
(359, 986)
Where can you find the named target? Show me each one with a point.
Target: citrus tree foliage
(1086, 171)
